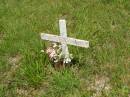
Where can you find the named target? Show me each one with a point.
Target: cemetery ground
(102, 70)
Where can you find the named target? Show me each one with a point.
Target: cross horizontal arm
(60, 39)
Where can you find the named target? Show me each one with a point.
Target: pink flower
(51, 52)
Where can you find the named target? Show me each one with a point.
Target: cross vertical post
(63, 33)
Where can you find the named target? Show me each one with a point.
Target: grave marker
(64, 40)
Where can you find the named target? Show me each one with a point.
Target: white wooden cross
(64, 40)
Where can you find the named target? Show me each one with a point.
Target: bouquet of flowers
(55, 54)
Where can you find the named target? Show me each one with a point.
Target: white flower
(56, 60)
(54, 45)
(67, 60)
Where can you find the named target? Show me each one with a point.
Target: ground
(102, 70)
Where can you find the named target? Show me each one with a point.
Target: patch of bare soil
(97, 85)
(101, 84)
(15, 63)
(32, 92)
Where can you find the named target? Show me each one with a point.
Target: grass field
(103, 70)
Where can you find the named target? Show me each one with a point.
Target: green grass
(105, 23)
